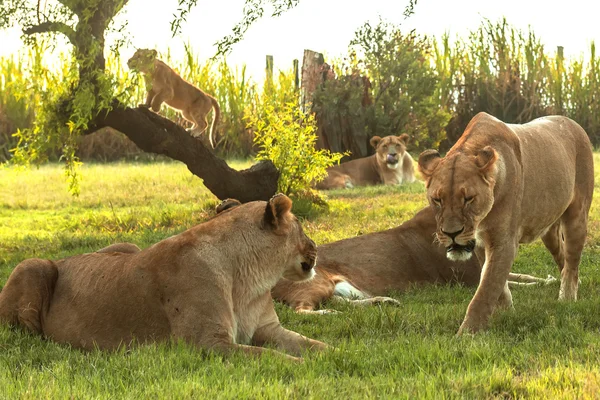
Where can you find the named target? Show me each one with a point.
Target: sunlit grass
(542, 349)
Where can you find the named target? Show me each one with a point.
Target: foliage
(508, 73)
(402, 86)
(544, 348)
(287, 138)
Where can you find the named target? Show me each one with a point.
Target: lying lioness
(390, 165)
(365, 268)
(505, 184)
(209, 285)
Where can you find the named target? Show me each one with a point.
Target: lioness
(165, 85)
(362, 269)
(505, 184)
(209, 285)
(391, 164)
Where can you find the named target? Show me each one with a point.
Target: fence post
(296, 75)
(269, 71)
(560, 70)
(311, 75)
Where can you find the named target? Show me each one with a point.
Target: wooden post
(311, 76)
(560, 69)
(296, 75)
(269, 71)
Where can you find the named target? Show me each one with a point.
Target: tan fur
(165, 85)
(209, 285)
(379, 263)
(505, 184)
(375, 169)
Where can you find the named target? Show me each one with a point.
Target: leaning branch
(155, 134)
(48, 26)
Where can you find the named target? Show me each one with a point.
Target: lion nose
(452, 235)
(306, 266)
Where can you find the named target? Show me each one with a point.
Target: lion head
(278, 220)
(390, 149)
(460, 187)
(142, 60)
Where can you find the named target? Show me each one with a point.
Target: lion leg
(120, 248)
(270, 331)
(574, 227)
(553, 240)
(25, 299)
(149, 96)
(493, 288)
(515, 279)
(229, 348)
(159, 98)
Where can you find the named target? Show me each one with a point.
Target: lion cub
(165, 85)
(391, 165)
(209, 285)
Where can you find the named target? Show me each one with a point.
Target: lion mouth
(391, 159)
(467, 248)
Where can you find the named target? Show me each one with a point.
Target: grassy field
(542, 349)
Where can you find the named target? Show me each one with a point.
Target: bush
(286, 137)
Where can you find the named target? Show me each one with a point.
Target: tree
(90, 102)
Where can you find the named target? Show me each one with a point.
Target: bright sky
(328, 25)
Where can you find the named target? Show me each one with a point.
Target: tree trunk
(155, 134)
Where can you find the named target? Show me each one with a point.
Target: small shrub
(287, 137)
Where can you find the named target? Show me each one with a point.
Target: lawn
(542, 349)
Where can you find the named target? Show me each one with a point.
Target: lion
(165, 85)
(363, 270)
(505, 184)
(391, 165)
(209, 286)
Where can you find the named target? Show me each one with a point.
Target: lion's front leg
(492, 290)
(159, 98)
(149, 96)
(286, 340)
(270, 331)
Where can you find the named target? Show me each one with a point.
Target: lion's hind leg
(574, 229)
(346, 292)
(25, 299)
(515, 279)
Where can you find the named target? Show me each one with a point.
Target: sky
(327, 26)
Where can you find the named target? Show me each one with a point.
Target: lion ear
(227, 204)
(375, 141)
(404, 138)
(278, 211)
(485, 159)
(154, 53)
(428, 161)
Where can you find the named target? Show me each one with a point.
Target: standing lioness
(504, 184)
(165, 85)
(209, 285)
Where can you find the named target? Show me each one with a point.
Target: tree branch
(155, 134)
(49, 26)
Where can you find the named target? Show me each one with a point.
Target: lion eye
(436, 201)
(469, 199)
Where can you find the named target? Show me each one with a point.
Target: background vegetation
(543, 349)
(427, 87)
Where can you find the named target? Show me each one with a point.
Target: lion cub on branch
(505, 184)
(165, 85)
(209, 285)
(391, 165)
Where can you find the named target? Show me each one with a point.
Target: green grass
(542, 349)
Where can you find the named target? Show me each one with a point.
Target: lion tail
(215, 121)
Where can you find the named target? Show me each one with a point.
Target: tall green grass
(508, 73)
